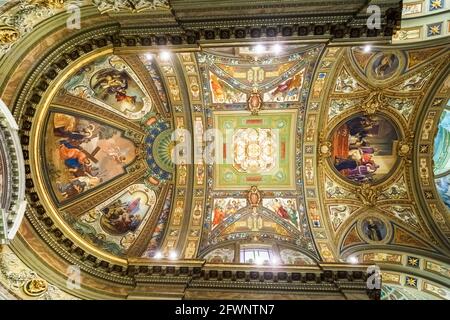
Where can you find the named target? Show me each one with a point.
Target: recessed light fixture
(259, 48)
(367, 48)
(275, 261)
(158, 255)
(149, 56)
(352, 260)
(164, 55)
(277, 48)
(173, 255)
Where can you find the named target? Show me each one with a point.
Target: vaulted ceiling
(314, 153)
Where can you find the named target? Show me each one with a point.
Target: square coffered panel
(255, 150)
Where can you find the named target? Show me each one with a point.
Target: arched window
(256, 254)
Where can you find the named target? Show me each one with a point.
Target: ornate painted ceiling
(144, 163)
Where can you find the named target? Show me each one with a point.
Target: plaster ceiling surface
(281, 155)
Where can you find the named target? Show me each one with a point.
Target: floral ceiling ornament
(373, 103)
(130, 5)
(8, 35)
(405, 148)
(22, 18)
(324, 148)
(35, 287)
(20, 280)
(48, 3)
(367, 194)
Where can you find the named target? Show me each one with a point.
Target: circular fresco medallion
(374, 229)
(364, 148)
(384, 65)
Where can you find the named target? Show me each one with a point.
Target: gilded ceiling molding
(105, 6)
(133, 175)
(65, 102)
(23, 282)
(423, 21)
(176, 88)
(33, 195)
(428, 121)
(195, 89)
(355, 77)
(409, 269)
(21, 19)
(320, 84)
(44, 225)
(133, 172)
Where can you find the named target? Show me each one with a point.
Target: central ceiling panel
(255, 150)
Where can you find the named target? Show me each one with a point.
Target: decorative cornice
(130, 5)
(12, 172)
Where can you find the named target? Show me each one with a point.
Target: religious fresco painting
(223, 208)
(374, 229)
(117, 89)
(81, 154)
(124, 214)
(287, 91)
(222, 92)
(284, 208)
(112, 84)
(365, 148)
(115, 224)
(384, 66)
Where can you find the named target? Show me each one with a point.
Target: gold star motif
(424, 148)
(411, 282)
(413, 261)
(435, 30)
(436, 4)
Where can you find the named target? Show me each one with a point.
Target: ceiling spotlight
(173, 255)
(164, 55)
(259, 48)
(149, 56)
(352, 260)
(275, 261)
(367, 48)
(277, 48)
(158, 255)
